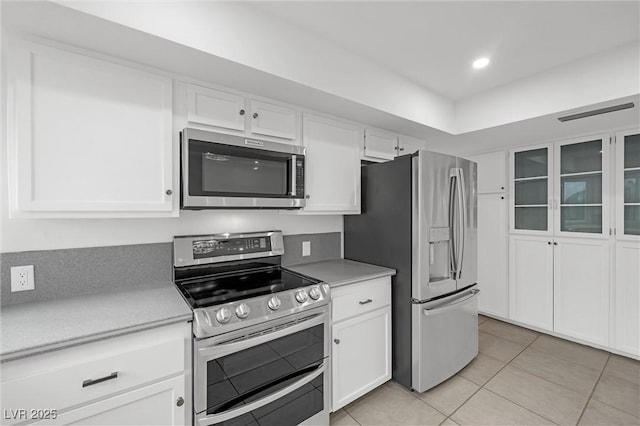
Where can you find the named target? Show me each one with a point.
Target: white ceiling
(433, 43)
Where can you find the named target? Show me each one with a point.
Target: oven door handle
(217, 350)
(204, 419)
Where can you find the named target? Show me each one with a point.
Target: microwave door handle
(293, 175)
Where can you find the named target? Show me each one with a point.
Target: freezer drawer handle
(435, 311)
(364, 302)
(91, 382)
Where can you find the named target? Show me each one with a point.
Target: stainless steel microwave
(235, 172)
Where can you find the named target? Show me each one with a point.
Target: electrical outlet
(22, 278)
(306, 248)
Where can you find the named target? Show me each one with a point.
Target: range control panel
(217, 247)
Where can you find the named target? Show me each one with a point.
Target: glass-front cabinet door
(580, 193)
(530, 186)
(628, 184)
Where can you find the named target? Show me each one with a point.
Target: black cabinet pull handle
(180, 402)
(91, 382)
(241, 112)
(255, 115)
(555, 244)
(365, 302)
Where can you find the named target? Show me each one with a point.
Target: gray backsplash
(323, 247)
(71, 272)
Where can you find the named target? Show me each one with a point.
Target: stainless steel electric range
(260, 332)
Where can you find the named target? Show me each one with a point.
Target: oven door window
(255, 373)
(230, 171)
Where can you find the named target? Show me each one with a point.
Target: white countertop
(30, 328)
(340, 272)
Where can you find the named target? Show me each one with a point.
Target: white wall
(603, 77)
(243, 34)
(46, 234)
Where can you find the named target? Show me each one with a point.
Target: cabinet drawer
(70, 377)
(356, 299)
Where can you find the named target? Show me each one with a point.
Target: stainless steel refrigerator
(419, 216)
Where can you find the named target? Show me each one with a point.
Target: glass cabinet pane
(531, 163)
(632, 220)
(531, 218)
(631, 151)
(581, 157)
(581, 189)
(531, 192)
(632, 186)
(581, 219)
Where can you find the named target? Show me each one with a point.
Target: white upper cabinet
(379, 145)
(215, 108)
(408, 145)
(228, 111)
(627, 185)
(492, 172)
(581, 192)
(272, 120)
(561, 188)
(87, 137)
(332, 163)
(531, 188)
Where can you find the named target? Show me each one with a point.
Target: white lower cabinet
(581, 289)
(626, 298)
(361, 349)
(157, 404)
(531, 280)
(138, 378)
(561, 285)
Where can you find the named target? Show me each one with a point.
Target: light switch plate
(306, 248)
(22, 278)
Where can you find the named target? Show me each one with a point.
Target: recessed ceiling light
(480, 63)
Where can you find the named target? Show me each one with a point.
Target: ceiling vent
(596, 112)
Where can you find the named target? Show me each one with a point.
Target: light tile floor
(520, 377)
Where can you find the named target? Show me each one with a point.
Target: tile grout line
(496, 373)
(502, 396)
(594, 389)
(542, 378)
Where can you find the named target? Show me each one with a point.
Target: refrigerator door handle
(462, 220)
(453, 176)
(450, 306)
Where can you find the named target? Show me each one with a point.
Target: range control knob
(301, 296)
(223, 315)
(242, 311)
(274, 303)
(315, 293)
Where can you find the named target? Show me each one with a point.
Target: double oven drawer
(274, 373)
